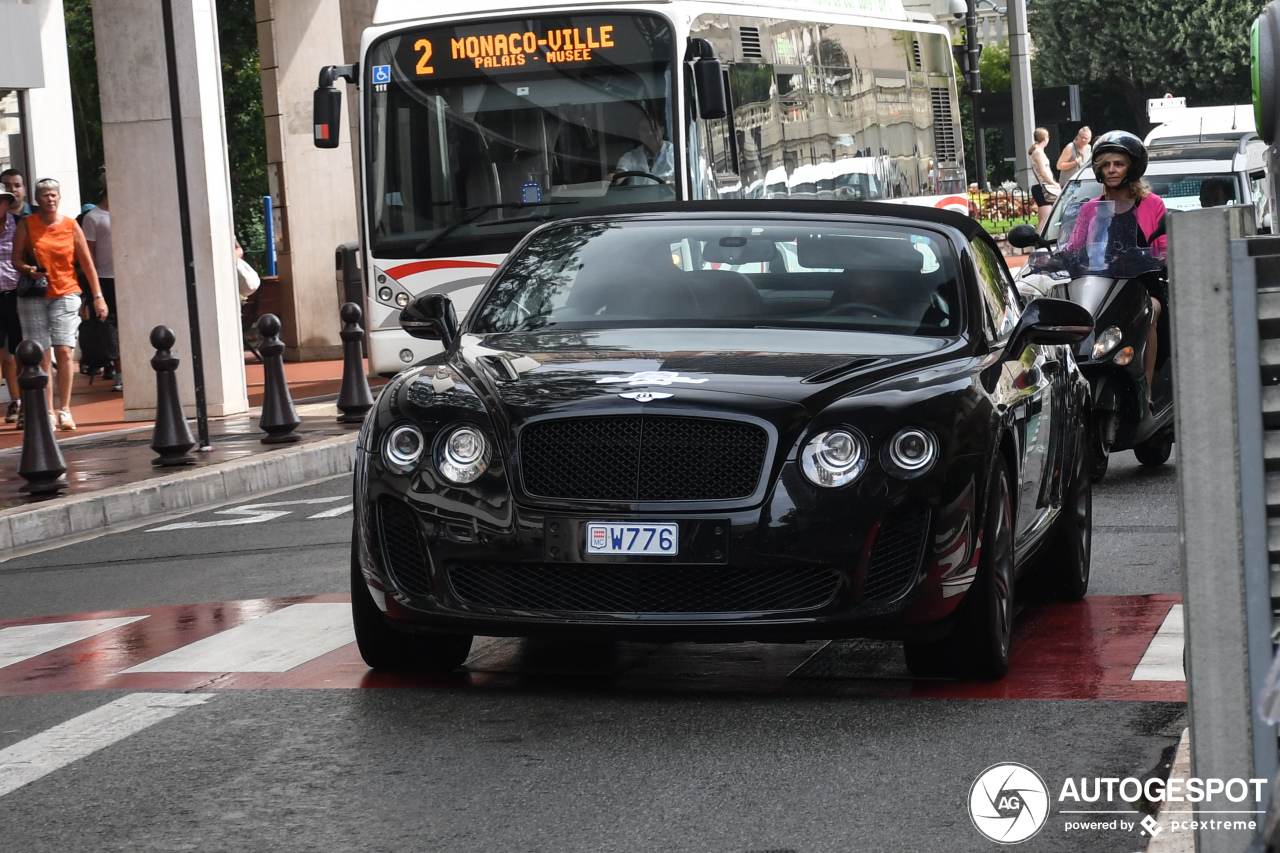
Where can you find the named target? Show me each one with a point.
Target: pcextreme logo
(1009, 803)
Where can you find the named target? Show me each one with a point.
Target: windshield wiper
(476, 213)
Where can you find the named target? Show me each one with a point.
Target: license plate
(662, 540)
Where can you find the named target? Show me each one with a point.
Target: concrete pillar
(51, 142)
(146, 235)
(357, 16)
(310, 187)
(1024, 114)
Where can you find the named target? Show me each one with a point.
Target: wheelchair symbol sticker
(382, 73)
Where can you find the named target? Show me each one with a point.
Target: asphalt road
(601, 754)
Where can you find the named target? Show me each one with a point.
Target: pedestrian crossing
(1107, 647)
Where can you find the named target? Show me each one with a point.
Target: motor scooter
(1096, 266)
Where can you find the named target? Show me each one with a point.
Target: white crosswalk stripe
(1163, 658)
(276, 642)
(40, 755)
(21, 642)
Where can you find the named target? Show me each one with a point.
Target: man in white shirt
(97, 231)
(654, 155)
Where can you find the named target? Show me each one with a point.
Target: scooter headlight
(1106, 342)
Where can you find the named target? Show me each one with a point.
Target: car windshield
(478, 132)
(1191, 191)
(893, 279)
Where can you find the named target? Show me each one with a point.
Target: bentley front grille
(632, 589)
(642, 458)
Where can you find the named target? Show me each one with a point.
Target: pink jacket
(1149, 212)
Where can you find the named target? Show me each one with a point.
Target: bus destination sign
(467, 50)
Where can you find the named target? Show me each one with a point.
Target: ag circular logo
(1009, 803)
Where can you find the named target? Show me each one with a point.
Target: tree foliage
(1145, 48)
(242, 98)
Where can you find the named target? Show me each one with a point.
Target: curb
(45, 524)
(1175, 842)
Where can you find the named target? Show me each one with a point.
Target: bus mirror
(327, 104)
(328, 111)
(708, 78)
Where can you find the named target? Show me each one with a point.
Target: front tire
(1066, 563)
(386, 649)
(979, 645)
(1156, 450)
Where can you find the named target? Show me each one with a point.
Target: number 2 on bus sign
(424, 46)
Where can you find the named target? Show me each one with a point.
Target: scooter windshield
(1105, 239)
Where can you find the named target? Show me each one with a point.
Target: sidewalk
(113, 483)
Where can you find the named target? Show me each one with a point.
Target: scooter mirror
(1023, 236)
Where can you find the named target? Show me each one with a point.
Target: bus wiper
(476, 213)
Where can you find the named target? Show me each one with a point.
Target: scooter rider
(1119, 162)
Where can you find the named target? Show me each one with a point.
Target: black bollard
(41, 465)
(354, 397)
(279, 417)
(172, 437)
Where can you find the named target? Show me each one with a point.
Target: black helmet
(1121, 142)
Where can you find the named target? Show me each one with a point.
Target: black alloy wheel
(1065, 564)
(383, 648)
(1156, 450)
(978, 646)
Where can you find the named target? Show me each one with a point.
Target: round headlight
(402, 448)
(1107, 341)
(402, 299)
(384, 293)
(834, 458)
(910, 453)
(463, 454)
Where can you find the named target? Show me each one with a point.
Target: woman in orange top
(57, 244)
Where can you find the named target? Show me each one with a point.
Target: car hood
(786, 372)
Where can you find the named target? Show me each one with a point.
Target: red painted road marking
(1086, 650)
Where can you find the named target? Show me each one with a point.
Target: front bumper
(880, 560)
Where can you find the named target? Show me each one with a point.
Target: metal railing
(1002, 208)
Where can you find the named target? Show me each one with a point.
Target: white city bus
(480, 119)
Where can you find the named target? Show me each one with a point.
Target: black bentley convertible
(728, 421)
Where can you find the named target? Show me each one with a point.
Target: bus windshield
(478, 131)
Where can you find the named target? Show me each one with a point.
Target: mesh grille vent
(944, 128)
(641, 589)
(896, 555)
(405, 558)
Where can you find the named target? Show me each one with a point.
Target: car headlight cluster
(837, 457)
(1107, 341)
(462, 453)
(402, 448)
(910, 453)
(834, 458)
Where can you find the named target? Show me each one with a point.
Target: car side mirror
(431, 317)
(1050, 321)
(1024, 237)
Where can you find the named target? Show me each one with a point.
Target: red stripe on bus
(426, 266)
